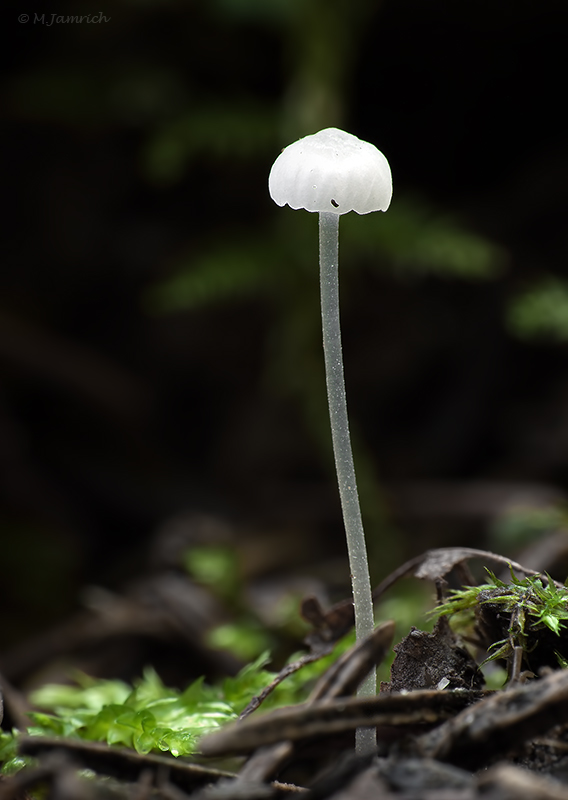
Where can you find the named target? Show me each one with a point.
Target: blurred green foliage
(217, 568)
(280, 262)
(417, 239)
(521, 525)
(239, 131)
(245, 634)
(541, 312)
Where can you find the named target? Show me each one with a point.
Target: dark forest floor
(440, 732)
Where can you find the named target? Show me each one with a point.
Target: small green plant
(523, 613)
(10, 759)
(147, 716)
(152, 717)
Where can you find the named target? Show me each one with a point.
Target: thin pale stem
(356, 546)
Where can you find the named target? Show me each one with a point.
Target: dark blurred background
(160, 355)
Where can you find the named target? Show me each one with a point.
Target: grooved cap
(331, 171)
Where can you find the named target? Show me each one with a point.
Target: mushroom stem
(344, 465)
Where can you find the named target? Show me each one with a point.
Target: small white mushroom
(333, 172)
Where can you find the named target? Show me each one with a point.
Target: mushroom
(333, 172)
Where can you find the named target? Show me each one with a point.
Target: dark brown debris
(328, 626)
(340, 680)
(501, 723)
(435, 564)
(440, 735)
(121, 762)
(398, 711)
(433, 660)
(508, 782)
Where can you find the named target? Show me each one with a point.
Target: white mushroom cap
(331, 171)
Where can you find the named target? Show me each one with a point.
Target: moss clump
(528, 613)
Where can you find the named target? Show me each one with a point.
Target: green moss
(526, 608)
